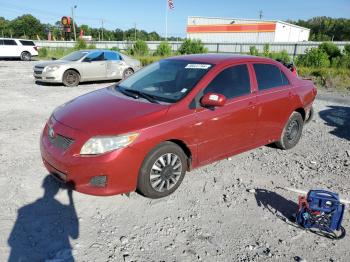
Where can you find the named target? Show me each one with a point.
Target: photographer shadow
(276, 204)
(43, 228)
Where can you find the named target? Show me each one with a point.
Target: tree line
(326, 28)
(27, 26)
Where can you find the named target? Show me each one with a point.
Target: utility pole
(135, 31)
(260, 14)
(74, 31)
(102, 29)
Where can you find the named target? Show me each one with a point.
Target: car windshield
(167, 80)
(75, 56)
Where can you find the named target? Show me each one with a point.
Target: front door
(93, 67)
(228, 129)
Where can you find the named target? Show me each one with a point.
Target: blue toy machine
(321, 210)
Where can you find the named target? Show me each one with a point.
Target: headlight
(102, 144)
(52, 68)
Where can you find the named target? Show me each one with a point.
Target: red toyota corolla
(173, 116)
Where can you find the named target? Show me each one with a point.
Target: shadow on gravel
(338, 117)
(43, 228)
(275, 203)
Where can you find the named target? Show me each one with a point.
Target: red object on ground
(208, 134)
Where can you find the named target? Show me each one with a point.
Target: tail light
(36, 48)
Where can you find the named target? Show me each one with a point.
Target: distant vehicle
(17, 48)
(86, 65)
(170, 117)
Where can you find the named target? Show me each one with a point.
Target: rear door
(273, 101)
(230, 128)
(114, 65)
(93, 67)
(11, 48)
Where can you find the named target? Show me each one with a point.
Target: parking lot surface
(232, 210)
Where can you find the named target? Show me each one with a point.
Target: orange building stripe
(232, 28)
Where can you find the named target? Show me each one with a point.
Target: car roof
(220, 58)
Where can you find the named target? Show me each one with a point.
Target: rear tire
(127, 72)
(26, 56)
(162, 171)
(291, 132)
(71, 78)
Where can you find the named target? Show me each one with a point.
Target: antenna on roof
(260, 14)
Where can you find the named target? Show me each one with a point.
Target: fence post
(295, 50)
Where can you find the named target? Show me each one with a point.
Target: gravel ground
(232, 210)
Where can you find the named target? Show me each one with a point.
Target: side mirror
(213, 100)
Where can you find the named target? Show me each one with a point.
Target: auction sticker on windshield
(198, 66)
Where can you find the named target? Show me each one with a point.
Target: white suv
(17, 48)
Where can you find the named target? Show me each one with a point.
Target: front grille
(61, 142)
(38, 72)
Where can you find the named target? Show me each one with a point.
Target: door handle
(251, 105)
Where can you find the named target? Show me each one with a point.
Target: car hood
(53, 62)
(107, 112)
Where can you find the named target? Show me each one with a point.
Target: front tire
(71, 78)
(127, 72)
(291, 132)
(26, 56)
(162, 171)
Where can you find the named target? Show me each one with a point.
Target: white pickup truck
(17, 48)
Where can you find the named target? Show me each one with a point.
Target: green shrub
(91, 46)
(80, 44)
(266, 51)
(282, 55)
(163, 49)
(42, 52)
(140, 48)
(330, 49)
(114, 48)
(347, 50)
(146, 60)
(341, 61)
(314, 57)
(253, 51)
(192, 47)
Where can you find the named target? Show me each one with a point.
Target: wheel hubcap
(165, 172)
(293, 130)
(128, 73)
(71, 78)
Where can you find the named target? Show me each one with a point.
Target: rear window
(27, 43)
(9, 42)
(269, 76)
(112, 56)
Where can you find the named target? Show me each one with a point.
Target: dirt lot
(214, 216)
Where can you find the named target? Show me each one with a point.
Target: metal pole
(102, 30)
(166, 21)
(75, 35)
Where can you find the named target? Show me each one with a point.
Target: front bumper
(48, 77)
(120, 167)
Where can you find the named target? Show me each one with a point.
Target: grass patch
(330, 78)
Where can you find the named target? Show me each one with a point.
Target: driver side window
(95, 56)
(231, 82)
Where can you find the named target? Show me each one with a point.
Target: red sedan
(170, 117)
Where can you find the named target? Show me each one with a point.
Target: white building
(232, 30)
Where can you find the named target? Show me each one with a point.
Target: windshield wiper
(127, 93)
(138, 94)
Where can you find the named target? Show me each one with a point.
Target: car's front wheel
(26, 56)
(71, 78)
(291, 132)
(127, 72)
(162, 171)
